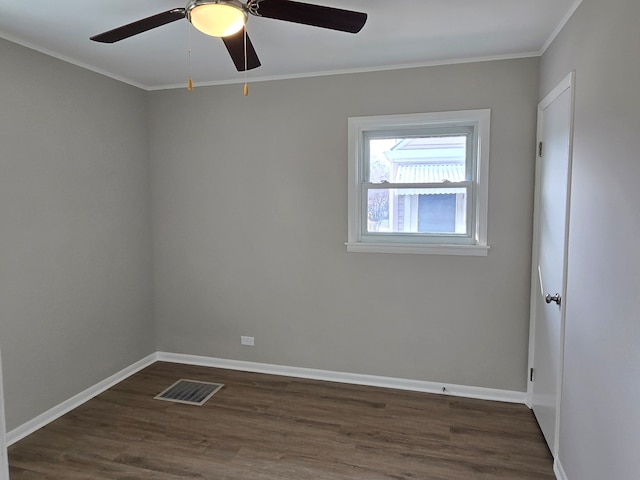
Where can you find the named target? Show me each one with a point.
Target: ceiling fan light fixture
(218, 18)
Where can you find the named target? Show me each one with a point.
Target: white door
(553, 173)
(4, 462)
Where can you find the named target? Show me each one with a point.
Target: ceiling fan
(227, 19)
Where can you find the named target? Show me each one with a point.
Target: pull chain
(190, 82)
(246, 85)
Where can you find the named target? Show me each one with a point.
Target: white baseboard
(353, 378)
(52, 414)
(341, 377)
(559, 471)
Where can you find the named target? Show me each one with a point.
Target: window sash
(469, 131)
(467, 238)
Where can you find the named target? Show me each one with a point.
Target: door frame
(567, 83)
(4, 460)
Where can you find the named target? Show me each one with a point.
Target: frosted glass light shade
(218, 19)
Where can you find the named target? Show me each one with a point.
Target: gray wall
(75, 260)
(600, 424)
(250, 220)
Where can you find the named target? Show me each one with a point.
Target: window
(418, 183)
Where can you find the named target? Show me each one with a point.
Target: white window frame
(360, 128)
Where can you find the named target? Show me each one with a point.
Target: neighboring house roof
(428, 173)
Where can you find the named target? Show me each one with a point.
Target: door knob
(552, 298)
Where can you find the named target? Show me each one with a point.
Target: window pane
(437, 213)
(421, 159)
(379, 165)
(417, 210)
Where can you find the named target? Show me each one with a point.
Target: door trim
(567, 83)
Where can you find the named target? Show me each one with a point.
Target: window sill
(423, 249)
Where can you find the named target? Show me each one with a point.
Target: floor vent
(191, 392)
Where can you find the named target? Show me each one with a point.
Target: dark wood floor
(263, 427)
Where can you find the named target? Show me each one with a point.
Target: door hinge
(540, 149)
(532, 375)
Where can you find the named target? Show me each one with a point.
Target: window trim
(357, 130)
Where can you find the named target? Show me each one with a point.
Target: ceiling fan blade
(315, 15)
(235, 46)
(140, 26)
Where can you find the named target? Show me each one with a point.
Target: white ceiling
(398, 33)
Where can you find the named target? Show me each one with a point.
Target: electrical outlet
(249, 341)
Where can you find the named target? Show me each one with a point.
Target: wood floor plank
(265, 427)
